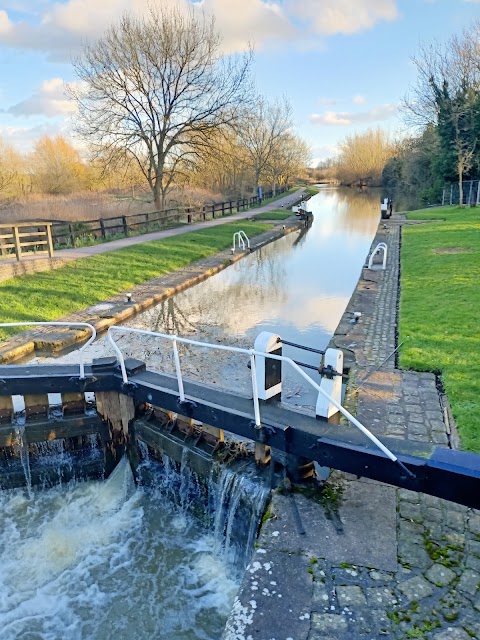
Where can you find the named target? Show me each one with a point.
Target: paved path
(85, 252)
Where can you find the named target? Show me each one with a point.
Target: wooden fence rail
(66, 234)
(25, 239)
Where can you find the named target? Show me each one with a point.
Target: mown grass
(276, 214)
(53, 294)
(439, 308)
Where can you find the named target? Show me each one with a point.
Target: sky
(344, 65)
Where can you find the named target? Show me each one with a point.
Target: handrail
(378, 248)
(242, 237)
(252, 353)
(61, 324)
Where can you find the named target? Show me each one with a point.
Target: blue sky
(344, 64)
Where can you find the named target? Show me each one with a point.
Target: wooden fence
(25, 239)
(66, 234)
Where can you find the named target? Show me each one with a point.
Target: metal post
(178, 370)
(256, 406)
(478, 193)
(443, 197)
(451, 194)
(470, 192)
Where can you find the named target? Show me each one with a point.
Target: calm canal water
(103, 560)
(297, 287)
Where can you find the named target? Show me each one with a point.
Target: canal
(108, 559)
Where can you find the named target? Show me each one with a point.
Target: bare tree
(261, 129)
(157, 87)
(290, 157)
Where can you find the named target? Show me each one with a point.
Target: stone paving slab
(275, 600)
(338, 536)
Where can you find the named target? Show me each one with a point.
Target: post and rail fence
(21, 240)
(29, 238)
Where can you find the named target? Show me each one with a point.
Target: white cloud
(5, 24)
(343, 16)
(346, 118)
(24, 138)
(61, 29)
(359, 100)
(48, 100)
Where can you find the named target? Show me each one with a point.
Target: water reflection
(297, 287)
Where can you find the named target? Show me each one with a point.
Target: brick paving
(377, 561)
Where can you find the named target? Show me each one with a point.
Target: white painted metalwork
(242, 238)
(252, 353)
(61, 324)
(332, 386)
(267, 342)
(381, 246)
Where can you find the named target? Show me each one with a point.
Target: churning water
(108, 559)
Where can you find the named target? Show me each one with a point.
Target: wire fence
(471, 193)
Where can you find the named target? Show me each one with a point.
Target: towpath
(85, 252)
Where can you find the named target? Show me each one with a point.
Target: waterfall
(21, 447)
(241, 500)
(229, 503)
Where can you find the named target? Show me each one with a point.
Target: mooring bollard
(331, 383)
(269, 371)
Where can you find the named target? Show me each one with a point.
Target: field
(439, 308)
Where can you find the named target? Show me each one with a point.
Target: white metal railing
(380, 246)
(252, 353)
(61, 324)
(242, 239)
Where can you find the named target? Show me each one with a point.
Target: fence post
(478, 193)
(213, 210)
(102, 229)
(223, 208)
(470, 192)
(49, 240)
(125, 225)
(451, 194)
(16, 239)
(189, 216)
(72, 234)
(147, 221)
(443, 197)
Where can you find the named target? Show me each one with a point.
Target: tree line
(160, 104)
(442, 112)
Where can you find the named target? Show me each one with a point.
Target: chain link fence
(471, 193)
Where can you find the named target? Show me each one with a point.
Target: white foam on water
(107, 560)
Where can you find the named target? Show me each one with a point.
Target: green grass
(310, 190)
(439, 308)
(53, 294)
(275, 214)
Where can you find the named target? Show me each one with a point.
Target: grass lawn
(275, 214)
(53, 294)
(440, 307)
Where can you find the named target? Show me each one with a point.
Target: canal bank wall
(117, 309)
(363, 560)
